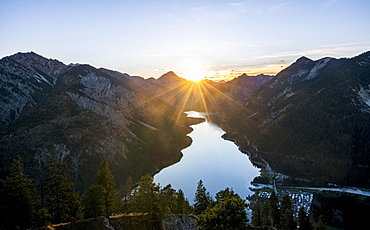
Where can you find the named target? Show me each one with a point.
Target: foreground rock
(130, 221)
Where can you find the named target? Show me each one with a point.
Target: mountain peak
(170, 79)
(304, 59)
(29, 55)
(169, 74)
(31, 59)
(243, 75)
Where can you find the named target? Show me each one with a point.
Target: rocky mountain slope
(82, 114)
(25, 79)
(310, 121)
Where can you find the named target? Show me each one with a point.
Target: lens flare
(195, 75)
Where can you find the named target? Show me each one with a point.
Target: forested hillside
(311, 121)
(82, 114)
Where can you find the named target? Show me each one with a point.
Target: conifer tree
(275, 212)
(126, 193)
(93, 200)
(265, 215)
(303, 220)
(227, 214)
(63, 203)
(287, 221)
(257, 210)
(105, 179)
(146, 199)
(202, 198)
(20, 196)
(182, 204)
(223, 194)
(168, 196)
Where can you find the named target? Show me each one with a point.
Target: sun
(195, 75)
(194, 70)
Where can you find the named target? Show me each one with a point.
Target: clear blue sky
(147, 38)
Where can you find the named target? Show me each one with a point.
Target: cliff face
(81, 114)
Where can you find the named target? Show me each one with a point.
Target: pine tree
(126, 193)
(168, 196)
(303, 220)
(146, 199)
(105, 179)
(226, 193)
(227, 214)
(275, 212)
(63, 203)
(93, 200)
(182, 204)
(287, 221)
(265, 215)
(21, 199)
(257, 210)
(202, 198)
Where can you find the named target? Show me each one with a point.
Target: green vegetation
(26, 203)
(56, 201)
(341, 210)
(202, 199)
(228, 212)
(20, 197)
(315, 129)
(61, 200)
(105, 181)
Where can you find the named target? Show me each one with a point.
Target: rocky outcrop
(180, 222)
(130, 221)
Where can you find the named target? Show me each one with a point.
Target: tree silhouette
(105, 179)
(275, 212)
(63, 203)
(303, 220)
(20, 196)
(287, 221)
(202, 198)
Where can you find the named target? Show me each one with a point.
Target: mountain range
(82, 114)
(311, 121)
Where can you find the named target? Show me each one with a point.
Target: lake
(210, 158)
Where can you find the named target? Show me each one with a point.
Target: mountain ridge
(82, 114)
(311, 110)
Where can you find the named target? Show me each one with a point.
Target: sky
(210, 38)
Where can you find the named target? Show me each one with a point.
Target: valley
(307, 128)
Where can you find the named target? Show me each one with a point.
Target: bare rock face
(24, 80)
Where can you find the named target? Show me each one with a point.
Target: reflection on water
(215, 161)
